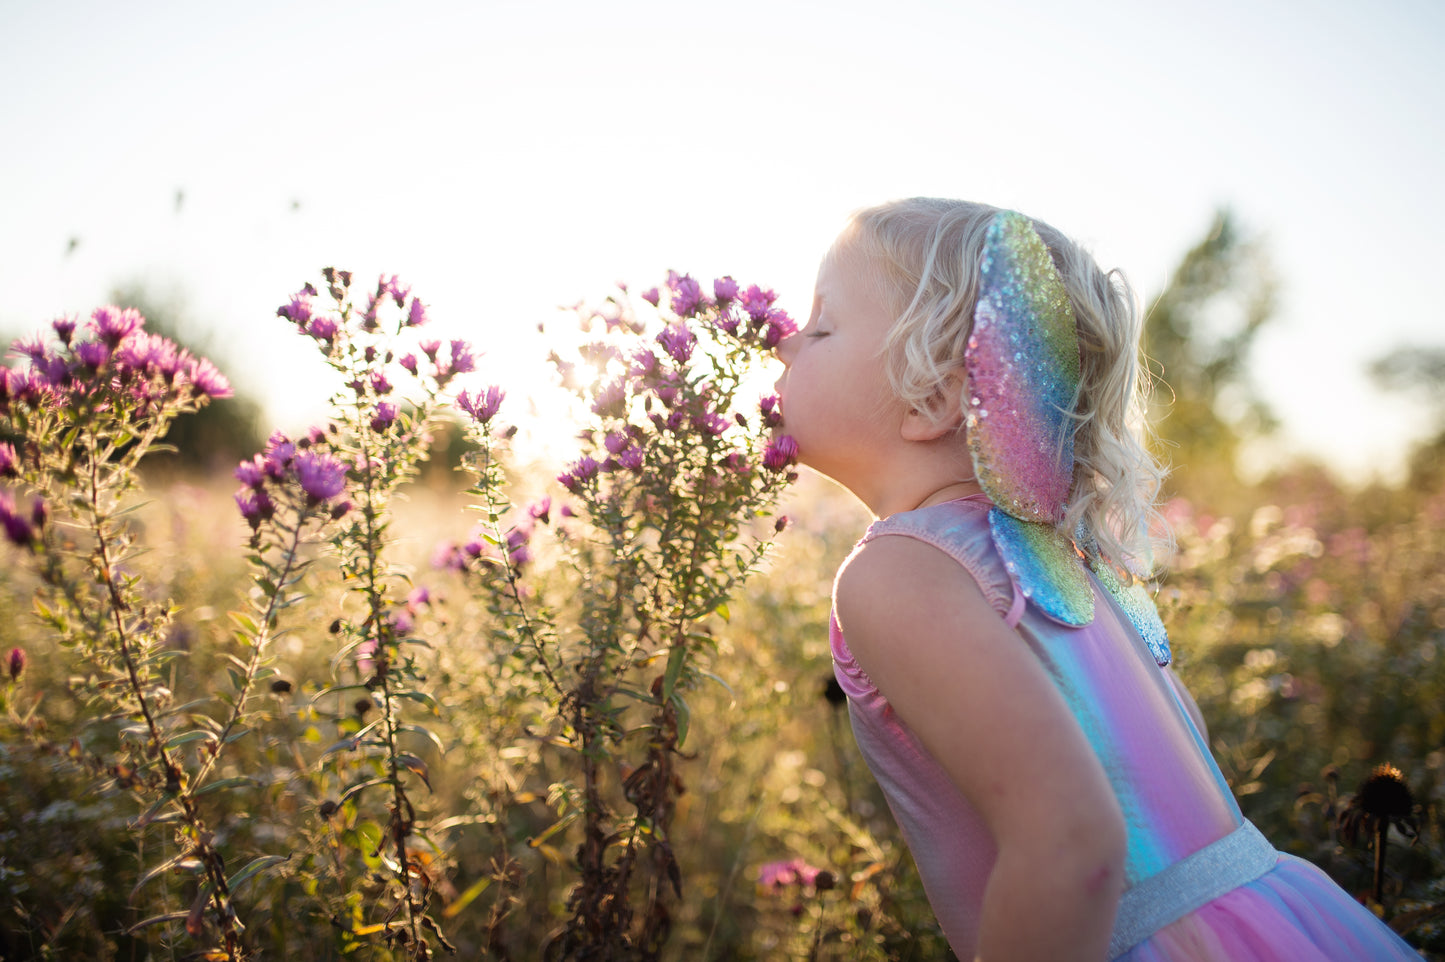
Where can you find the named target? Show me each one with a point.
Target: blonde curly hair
(929, 253)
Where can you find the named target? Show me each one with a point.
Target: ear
(945, 414)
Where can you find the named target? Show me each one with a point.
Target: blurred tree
(1419, 371)
(220, 434)
(1198, 335)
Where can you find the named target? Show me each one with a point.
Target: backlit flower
(724, 289)
(782, 452)
(677, 341)
(384, 416)
(417, 316)
(9, 461)
(113, 325)
(320, 475)
(15, 663)
(483, 405)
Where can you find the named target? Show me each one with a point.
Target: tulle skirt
(1293, 913)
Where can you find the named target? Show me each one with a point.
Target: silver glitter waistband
(1219, 867)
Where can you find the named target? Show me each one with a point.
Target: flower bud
(15, 663)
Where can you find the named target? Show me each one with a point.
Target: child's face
(837, 402)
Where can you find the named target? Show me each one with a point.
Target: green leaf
(185, 738)
(467, 897)
(251, 868)
(675, 661)
(223, 784)
(684, 718)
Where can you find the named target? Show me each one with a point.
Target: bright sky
(509, 157)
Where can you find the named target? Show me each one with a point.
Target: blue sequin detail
(1044, 565)
(1138, 606)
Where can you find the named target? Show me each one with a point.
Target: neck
(952, 492)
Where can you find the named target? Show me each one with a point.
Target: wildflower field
(340, 701)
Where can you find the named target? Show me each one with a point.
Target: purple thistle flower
(677, 341)
(280, 452)
(320, 475)
(781, 453)
(611, 400)
(687, 294)
(644, 362)
(652, 296)
(772, 416)
(55, 372)
(33, 347)
(17, 529)
(255, 506)
(9, 461)
(379, 383)
(368, 316)
(430, 348)
(298, 309)
(579, 474)
(92, 354)
(417, 316)
(462, 360)
(408, 361)
(385, 415)
(64, 329)
(780, 325)
(710, 422)
(206, 380)
(615, 442)
(756, 301)
(631, 458)
(113, 325)
(323, 327)
(252, 472)
(396, 289)
(15, 663)
(724, 289)
(483, 405)
(419, 597)
(541, 510)
(729, 322)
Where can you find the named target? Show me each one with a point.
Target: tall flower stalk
(673, 478)
(85, 407)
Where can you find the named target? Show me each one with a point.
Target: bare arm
(978, 699)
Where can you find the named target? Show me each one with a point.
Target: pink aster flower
(297, 310)
(113, 325)
(255, 506)
(92, 354)
(64, 328)
(687, 294)
(323, 327)
(724, 289)
(417, 316)
(677, 341)
(408, 361)
(652, 296)
(541, 510)
(776, 875)
(780, 325)
(17, 528)
(379, 383)
(385, 415)
(320, 475)
(575, 477)
(756, 301)
(206, 380)
(772, 414)
(483, 405)
(252, 472)
(462, 360)
(611, 400)
(782, 453)
(631, 458)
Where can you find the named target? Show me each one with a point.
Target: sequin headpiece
(1022, 364)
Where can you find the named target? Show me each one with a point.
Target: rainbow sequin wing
(1134, 600)
(1022, 362)
(1045, 566)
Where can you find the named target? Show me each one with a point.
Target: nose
(786, 348)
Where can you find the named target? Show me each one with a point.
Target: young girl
(971, 376)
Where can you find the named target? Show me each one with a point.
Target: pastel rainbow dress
(1202, 883)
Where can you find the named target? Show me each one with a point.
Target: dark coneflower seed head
(1385, 795)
